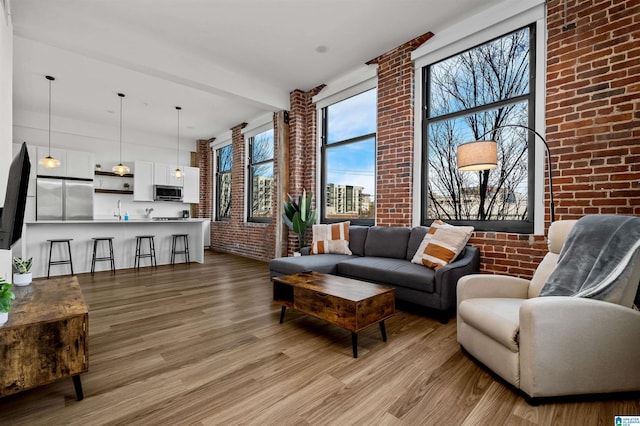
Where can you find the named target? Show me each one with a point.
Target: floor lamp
(483, 155)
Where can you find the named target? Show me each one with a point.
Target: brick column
(204, 157)
(394, 156)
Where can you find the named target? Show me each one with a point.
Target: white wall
(6, 106)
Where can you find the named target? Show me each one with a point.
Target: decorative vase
(4, 317)
(22, 279)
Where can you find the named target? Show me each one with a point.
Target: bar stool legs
(185, 251)
(110, 258)
(151, 254)
(68, 261)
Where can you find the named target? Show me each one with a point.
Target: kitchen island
(36, 233)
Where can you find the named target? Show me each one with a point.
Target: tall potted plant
(23, 271)
(6, 296)
(299, 216)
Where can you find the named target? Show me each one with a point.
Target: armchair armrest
(487, 285)
(571, 345)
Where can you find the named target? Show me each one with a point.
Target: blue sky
(353, 164)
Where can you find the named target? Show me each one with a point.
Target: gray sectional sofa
(383, 255)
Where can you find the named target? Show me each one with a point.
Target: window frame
(512, 226)
(323, 160)
(218, 180)
(249, 186)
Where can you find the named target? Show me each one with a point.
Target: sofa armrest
(447, 276)
(487, 285)
(571, 345)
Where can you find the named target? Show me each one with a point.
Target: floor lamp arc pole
(548, 152)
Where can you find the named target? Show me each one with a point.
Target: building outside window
(468, 96)
(261, 151)
(224, 163)
(349, 159)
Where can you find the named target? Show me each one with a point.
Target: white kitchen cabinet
(191, 186)
(163, 175)
(58, 154)
(80, 164)
(143, 181)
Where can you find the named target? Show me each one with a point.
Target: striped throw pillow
(331, 238)
(441, 244)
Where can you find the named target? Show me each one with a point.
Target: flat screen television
(15, 199)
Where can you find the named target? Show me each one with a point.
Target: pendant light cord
(121, 96)
(48, 77)
(178, 153)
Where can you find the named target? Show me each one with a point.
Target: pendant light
(120, 169)
(178, 172)
(49, 162)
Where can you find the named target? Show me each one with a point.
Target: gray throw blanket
(597, 258)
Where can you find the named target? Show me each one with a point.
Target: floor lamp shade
(479, 155)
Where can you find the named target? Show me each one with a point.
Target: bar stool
(185, 251)
(68, 261)
(139, 254)
(95, 259)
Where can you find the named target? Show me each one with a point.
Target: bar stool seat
(110, 258)
(185, 245)
(152, 250)
(67, 261)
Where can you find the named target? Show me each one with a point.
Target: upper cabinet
(143, 181)
(76, 164)
(191, 187)
(80, 164)
(163, 175)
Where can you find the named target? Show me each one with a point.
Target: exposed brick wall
(204, 157)
(255, 240)
(302, 149)
(394, 187)
(593, 107)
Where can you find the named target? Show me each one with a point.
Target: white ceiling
(224, 61)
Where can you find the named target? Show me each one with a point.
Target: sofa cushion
(331, 238)
(357, 237)
(387, 241)
(442, 244)
(395, 272)
(416, 237)
(498, 318)
(325, 263)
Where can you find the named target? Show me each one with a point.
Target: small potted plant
(23, 271)
(98, 167)
(299, 216)
(126, 185)
(6, 296)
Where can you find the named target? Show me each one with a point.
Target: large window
(349, 159)
(224, 162)
(468, 97)
(261, 149)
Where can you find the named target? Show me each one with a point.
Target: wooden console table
(46, 337)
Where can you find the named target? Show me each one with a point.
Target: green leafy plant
(6, 296)
(22, 266)
(299, 216)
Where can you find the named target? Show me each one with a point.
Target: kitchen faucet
(119, 214)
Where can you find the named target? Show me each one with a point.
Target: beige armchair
(550, 346)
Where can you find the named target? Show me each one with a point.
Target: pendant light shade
(120, 169)
(177, 172)
(49, 162)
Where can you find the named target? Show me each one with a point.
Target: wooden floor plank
(202, 345)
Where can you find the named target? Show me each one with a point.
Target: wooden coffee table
(345, 302)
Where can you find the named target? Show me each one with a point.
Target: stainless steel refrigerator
(64, 199)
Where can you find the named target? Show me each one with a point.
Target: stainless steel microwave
(167, 193)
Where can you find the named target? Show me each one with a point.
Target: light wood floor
(202, 345)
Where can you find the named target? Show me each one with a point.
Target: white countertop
(113, 221)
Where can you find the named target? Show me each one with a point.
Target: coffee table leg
(77, 384)
(282, 311)
(383, 331)
(354, 343)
